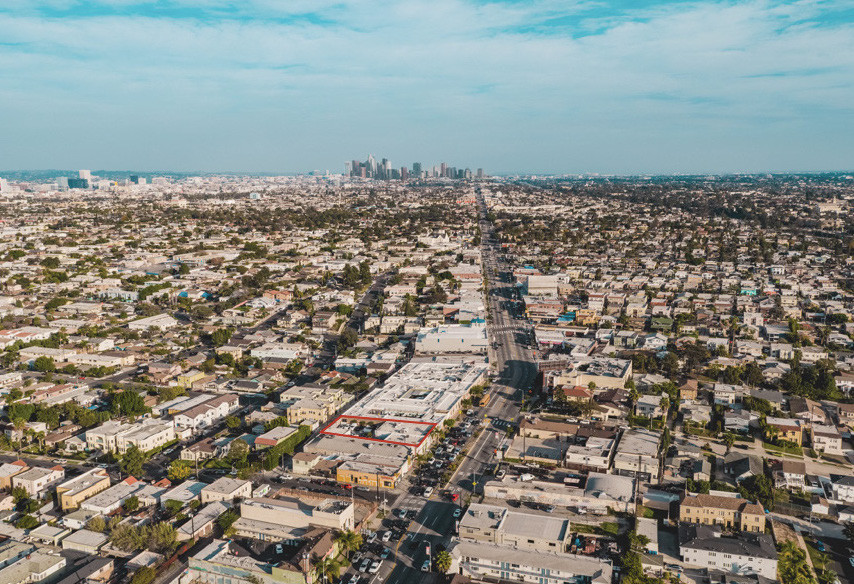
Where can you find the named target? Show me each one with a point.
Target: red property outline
(420, 442)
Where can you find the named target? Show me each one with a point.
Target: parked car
(458, 512)
(425, 567)
(375, 567)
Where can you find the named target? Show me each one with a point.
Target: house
(729, 512)
(788, 429)
(740, 466)
(650, 405)
(275, 436)
(725, 394)
(739, 421)
(789, 474)
(808, 410)
(826, 439)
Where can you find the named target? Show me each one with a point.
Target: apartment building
(494, 563)
(37, 480)
(636, 454)
(290, 518)
(207, 413)
(744, 554)
(73, 492)
(114, 436)
(728, 512)
(502, 526)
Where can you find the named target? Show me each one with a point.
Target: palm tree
(327, 568)
(665, 405)
(442, 563)
(349, 540)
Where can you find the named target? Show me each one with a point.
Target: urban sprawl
(428, 375)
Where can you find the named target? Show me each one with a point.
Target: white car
(386, 536)
(366, 563)
(428, 491)
(375, 567)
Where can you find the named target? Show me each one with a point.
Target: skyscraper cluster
(382, 170)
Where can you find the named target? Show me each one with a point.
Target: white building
(158, 321)
(484, 561)
(745, 554)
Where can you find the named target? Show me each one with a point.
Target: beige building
(728, 512)
(226, 489)
(290, 518)
(527, 531)
(74, 491)
(9, 470)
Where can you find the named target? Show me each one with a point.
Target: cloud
(509, 85)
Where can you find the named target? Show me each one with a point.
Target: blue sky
(510, 85)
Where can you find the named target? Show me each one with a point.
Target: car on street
(428, 491)
(354, 579)
(385, 553)
(366, 563)
(375, 567)
(386, 536)
(425, 567)
(458, 512)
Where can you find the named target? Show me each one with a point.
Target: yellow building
(74, 491)
(786, 429)
(728, 512)
(367, 474)
(190, 377)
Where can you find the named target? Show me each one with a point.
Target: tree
(131, 504)
(226, 520)
(127, 537)
(173, 507)
(97, 523)
(238, 452)
(162, 538)
(442, 563)
(233, 422)
(729, 440)
(44, 364)
(27, 522)
(179, 470)
(349, 540)
(328, 568)
(146, 574)
(132, 461)
(220, 337)
(128, 403)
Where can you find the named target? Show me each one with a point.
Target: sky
(513, 86)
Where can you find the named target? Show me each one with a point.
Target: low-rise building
(226, 489)
(744, 554)
(729, 512)
(37, 479)
(73, 492)
(495, 563)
